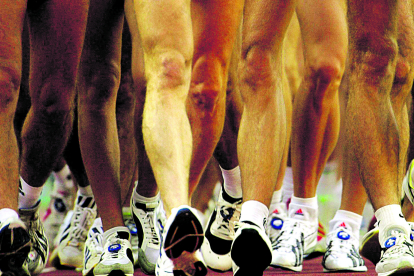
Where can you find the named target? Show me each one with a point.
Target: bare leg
(99, 82)
(316, 107)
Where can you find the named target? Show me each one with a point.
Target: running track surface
(311, 266)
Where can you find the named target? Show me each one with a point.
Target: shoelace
(291, 232)
(340, 245)
(81, 224)
(97, 240)
(149, 228)
(227, 217)
(402, 245)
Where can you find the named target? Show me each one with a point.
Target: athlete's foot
(148, 218)
(39, 253)
(297, 239)
(69, 251)
(342, 250)
(181, 240)
(251, 251)
(15, 246)
(219, 233)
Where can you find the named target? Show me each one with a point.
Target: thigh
(164, 26)
(323, 27)
(57, 31)
(12, 13)
(265, 23)
(215, 25)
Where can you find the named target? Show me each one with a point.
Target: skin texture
(184, 76)
(316, 106)
(98, 86)
(380, 80)
(55, 55)
(260, 151)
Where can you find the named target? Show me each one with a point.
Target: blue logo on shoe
(132, 229)
(114, 248)
(390, 242)
(277, 223)
(343, 235)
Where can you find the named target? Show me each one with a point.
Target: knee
(375, 55)
(208, 83)
(324, 75)
(9, 87)
(55, 99)
(101, 83)
(256, 75)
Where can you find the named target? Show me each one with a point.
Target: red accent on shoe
(343, 224)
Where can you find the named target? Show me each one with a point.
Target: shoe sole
(250, 240)
(11, 263)
(146, 266)
(183, 239)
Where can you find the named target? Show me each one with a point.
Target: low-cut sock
(390, 218)
(305, 209)
(232, 182)
(28, 196)
(351, 219)
(255, 212)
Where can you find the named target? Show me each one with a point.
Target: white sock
(390, 218)
(255, 212)
(287, 184)
(305, 209)
(276, 199)
(7, 213)
(63, 179)
(232, 182)
(142, 199)
(311, 202)
(28, 195)
(351, 220)
(85, 191)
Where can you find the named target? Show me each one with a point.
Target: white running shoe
(219, 233)
(297, 239)
(39, 253)
(275, 221)
(61, 201)
(342, 251)
(117, 257)
(69, 252)
(181, 240)
(251, 251)
(396, 256)
(130, 223)
(146, 218)
(15, 246)
(93, 247)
